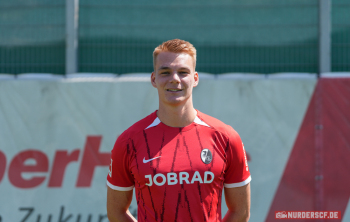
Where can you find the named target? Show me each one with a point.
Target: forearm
(121, 217)
(236, 216)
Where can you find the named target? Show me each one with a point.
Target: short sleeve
(237, 171)
(119, 176)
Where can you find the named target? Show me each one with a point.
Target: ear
(196, 79)
(153, 80)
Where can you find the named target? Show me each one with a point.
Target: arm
(118, 203)
(238, 204)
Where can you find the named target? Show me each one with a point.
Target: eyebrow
(166, 67)
(163, 67)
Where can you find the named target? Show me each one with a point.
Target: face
(174, 77)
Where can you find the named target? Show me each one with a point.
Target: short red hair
(176, 46)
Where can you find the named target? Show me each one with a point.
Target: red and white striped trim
(240, 184)
(119, 188)
(196, 120)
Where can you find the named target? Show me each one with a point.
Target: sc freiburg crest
(206, 156)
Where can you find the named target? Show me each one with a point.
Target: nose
(175, 78)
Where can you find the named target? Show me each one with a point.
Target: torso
(178, 173)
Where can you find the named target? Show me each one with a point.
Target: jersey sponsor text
(180, 178)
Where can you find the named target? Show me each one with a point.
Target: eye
(165, 72)
(183, 72)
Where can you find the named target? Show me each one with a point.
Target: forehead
(174, 60)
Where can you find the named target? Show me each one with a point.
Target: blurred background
(75, 74)
(256, 36)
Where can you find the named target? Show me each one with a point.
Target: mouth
(174, 90)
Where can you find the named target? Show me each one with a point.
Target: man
(177, 158)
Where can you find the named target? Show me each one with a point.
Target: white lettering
(206, 173)
(172, 178)
(155, 179)
(181, 177)
(149, 177)
(184, 177)
(196, 177)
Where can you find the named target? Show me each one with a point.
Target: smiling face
(174, 77)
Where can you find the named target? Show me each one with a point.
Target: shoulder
(137, 128)
(218, 125)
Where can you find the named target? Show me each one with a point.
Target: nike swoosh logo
(146, 161)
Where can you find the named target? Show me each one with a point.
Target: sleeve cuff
(240, 184)
(119, 188)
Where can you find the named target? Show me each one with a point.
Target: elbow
(111, 217)
(247, 217)
(240, 216)
(244, 216)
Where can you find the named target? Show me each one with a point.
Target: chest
(177, 158)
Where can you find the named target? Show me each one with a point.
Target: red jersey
(178, 173)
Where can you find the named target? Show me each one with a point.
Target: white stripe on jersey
(155, 123)
(119, 188)
(240, 184)
(200, 122)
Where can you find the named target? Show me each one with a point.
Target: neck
(177, 116)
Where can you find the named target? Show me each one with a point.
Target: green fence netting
(340, 35)
(32, 36)
(262, 36)
(259, 36)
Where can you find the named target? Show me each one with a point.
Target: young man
(177, 158)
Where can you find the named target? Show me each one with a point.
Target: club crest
(206, 156)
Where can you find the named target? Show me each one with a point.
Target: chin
(175, 101)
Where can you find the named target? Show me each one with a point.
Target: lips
(174, 90)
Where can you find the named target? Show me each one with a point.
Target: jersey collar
(197, 121)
